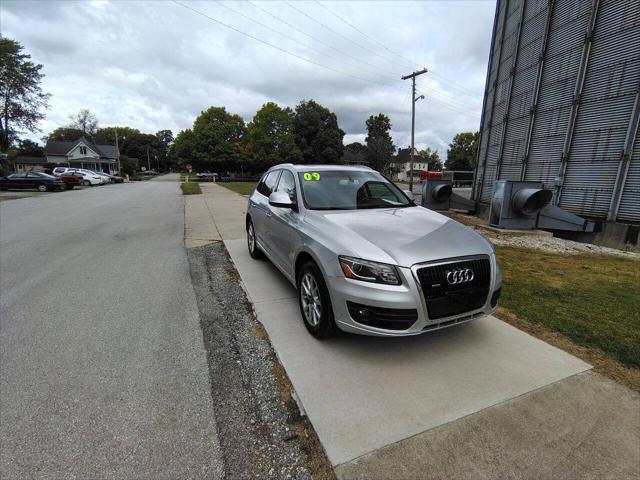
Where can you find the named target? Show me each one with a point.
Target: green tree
(63, 134)
(463, 151)
(29, 148)
(22, 100)
(270, 138)
(85, 121)
(317, 134)
(355, 154)
(380, 146)
(182, 147)
(432, 157)
(165, 139)
(132, 144)
(215, 142)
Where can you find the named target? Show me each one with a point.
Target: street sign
(189, 167)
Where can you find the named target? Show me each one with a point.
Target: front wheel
(254, 250)
(86, 183)
(68, 186)
(315, 303)
(42, 188)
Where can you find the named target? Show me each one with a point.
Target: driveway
(102, 369)
(482, 400)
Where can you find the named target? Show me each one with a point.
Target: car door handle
(269, 214)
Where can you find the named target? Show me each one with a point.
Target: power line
(346, 22)
(300, 57)
(406, 61)
(448, 98)
(316, 39)
(334, 31)
(257, 39)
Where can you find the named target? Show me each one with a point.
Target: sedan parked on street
(364, 257)
(113, 178)
(71, 180)
(89, 178)
(31, 180)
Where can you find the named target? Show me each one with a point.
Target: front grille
(444, 299)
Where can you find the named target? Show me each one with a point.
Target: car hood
(404, 236)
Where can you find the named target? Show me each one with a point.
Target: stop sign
(189, 167)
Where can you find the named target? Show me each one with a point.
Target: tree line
(218, 140)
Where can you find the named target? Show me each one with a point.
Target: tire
(252, 245)
(86, 183)
(315, 303)
(42, 188)
(68, 186)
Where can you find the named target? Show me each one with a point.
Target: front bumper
(403, 297)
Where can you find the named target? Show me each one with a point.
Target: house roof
(62, 148)
(23, 159)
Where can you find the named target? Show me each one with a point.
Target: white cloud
(156, 65)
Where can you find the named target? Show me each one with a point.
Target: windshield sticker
(311, 176)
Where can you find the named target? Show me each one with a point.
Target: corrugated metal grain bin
(562, 105)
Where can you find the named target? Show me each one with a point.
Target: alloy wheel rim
(251, 238)
(310, 298)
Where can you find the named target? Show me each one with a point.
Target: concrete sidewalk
(483, 400)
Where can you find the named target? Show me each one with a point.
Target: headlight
(367, 271)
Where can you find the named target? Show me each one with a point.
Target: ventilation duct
(526, 205)
(437, 194)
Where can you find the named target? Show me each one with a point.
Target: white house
(83, 154)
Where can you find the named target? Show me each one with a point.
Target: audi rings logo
(456, 277)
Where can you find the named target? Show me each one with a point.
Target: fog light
(364, 313)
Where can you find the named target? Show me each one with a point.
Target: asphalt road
(102, 365)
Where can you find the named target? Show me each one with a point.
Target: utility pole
(413, 76)
(148, 162)
(118, 153)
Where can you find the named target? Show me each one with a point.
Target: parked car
(31, 180)
(89, 179)
(114, 178)
(105, 177)
(71, 179)
(57, 171)
(364, 257)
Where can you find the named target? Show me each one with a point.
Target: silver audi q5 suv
(364, 257)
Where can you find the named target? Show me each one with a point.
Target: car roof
(321, 167)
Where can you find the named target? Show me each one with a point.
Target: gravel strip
(557, 245)
(262, 433)
(538, 242)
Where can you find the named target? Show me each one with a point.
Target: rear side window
(267, 185)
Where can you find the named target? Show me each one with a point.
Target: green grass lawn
(190, 188)
(243, 188)
(594, 300)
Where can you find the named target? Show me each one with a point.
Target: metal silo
(562, 104)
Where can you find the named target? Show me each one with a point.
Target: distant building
(400, 167)
(82, 154)
(25, 163)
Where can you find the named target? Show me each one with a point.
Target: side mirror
(409, 194)
(280, 200)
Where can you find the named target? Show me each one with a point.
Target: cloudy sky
(156, 64)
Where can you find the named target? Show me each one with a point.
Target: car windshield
(350, 190)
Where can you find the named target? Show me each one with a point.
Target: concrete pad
(363, 393)
(586, 427)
